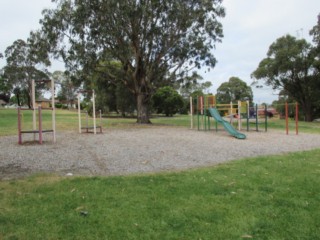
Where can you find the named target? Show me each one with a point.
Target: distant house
(270, 112)
(43, 102)
(2, 103)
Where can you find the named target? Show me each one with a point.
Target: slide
(227, 126)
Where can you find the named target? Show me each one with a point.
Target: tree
(167, 100)
(234, 90)
(193, 84)
(68, 89)
(291, 66)
(112, 94)
(156, 42)
(315, 33)
(4, 89)
(22, 60)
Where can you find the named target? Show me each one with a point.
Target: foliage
(112, 94)
(273, 197)
(68, 89)
(167, 100)
(290, 66)
(4, 89)
(156, 42)
(193, 84)
(315, 33)
(234, 90)
(22, 60)
(126, 103)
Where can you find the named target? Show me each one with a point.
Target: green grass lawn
(273, 197)
(68, 121)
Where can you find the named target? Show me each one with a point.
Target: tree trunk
(18, 99)
(307, 109)
(142, 109)
(309, 115)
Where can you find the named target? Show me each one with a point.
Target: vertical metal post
(239, 116)
(248, 115)
(19, 125)
(40, 124)
(87, 121)
(287, 120)
(191, 114)
(53, 111)
(79, 113)
(33, 91)
(94, 113)
(216, 123)
(297, 118)
(266, 117)
(257, 124)
(205, 98)
(100, 121)
(202, 111)
(198, 113)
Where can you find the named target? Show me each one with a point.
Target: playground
(138, 150)
(143, 149)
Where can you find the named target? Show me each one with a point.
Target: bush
(58, 105)
(168, 101)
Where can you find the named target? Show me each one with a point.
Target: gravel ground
(139, 150)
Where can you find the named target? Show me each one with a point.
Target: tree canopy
(23, 59)
(291, 65)
(234, 90)
(156, 42)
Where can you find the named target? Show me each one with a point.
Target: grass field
(68, 120)
(271, 197)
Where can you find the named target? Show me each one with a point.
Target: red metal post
(287, 123)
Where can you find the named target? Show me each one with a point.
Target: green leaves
(155, 41)
(291, 66)
(167, 100)
(234, 90)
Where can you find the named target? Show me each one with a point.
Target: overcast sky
(250, 27)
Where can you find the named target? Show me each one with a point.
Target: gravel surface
(139, 150)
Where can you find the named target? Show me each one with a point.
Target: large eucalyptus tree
(23, 64)
(290, 66)
(155, 41)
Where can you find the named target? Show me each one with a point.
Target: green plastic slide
(227, 126)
